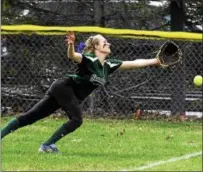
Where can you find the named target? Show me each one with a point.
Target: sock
(62, 131)
(10, 127)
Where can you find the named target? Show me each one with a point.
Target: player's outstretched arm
(70, 40)
(138, 63)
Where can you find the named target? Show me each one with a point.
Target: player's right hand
(70, 38)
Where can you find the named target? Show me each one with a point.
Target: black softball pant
(59, 95)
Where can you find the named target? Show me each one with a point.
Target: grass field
(106, 145)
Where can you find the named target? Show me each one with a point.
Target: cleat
(48, 148)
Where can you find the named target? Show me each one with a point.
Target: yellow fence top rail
(61, 30)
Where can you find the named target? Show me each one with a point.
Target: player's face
(103, 46)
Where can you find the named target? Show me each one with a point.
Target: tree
(108, 13)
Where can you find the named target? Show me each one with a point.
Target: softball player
(68, 93)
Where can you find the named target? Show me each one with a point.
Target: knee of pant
(74, 123)
(77, 122)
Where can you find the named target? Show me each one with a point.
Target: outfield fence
(32, 58)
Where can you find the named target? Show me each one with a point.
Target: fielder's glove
(169, 54)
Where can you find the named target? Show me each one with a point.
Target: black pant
(59, 95)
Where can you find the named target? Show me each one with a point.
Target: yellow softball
(198, 80)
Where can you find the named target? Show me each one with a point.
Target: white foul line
(187, 156)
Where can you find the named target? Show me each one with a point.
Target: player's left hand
(169, 54)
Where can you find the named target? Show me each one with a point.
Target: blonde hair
(90, 43)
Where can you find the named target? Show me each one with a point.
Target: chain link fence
(30, 63)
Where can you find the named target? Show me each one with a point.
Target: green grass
(105, 145)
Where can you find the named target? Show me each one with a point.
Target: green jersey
(91, 74)
(91, 71)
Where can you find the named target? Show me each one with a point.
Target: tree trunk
(99, 13)
(178, 77)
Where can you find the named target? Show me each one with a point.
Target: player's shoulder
(89, 56)
(113, 61)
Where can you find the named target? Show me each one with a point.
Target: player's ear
(96, 47)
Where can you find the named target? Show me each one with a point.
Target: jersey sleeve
(83, 58)
(114, 64)
(83, 62)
